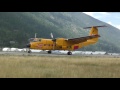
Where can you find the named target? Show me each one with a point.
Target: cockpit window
(34, 39)
(31, 39)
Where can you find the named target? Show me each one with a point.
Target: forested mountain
(17, 27)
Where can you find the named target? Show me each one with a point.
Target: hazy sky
(112, 18)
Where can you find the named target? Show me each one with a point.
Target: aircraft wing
(82, 39)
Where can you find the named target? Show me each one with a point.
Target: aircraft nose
(28, 45)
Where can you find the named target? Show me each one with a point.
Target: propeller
(29, 45)
(54, 40)
(51, 35)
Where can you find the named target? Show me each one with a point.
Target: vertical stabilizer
(93, 31)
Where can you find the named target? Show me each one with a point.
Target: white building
(99, 53)
(14, 49)
(88, 52)
(6, 49)
(33, 50)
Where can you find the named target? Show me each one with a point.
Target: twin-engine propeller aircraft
(63, 43)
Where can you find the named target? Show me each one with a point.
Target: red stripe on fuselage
(76, 47)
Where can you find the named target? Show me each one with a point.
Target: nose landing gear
(28, 46)
(29, 51)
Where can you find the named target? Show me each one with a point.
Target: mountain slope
(20, 26)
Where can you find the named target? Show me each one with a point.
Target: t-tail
(93, 32)
(94, 29)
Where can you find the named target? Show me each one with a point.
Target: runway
(55, 54)
(34, 54)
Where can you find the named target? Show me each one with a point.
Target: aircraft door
(49, 44)
(44, 44)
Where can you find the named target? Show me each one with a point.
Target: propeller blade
(51, 35)
(35, 35)
(54, 40)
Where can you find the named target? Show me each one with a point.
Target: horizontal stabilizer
(94, 26)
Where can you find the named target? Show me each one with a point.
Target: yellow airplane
(63, 43)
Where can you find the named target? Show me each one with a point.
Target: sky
(112, 18)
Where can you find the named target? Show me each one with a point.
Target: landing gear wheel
(69, 53)
(29, 51)
(49, 52)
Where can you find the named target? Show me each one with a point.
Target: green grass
(58, 67)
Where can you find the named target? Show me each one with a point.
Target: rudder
(93, 31)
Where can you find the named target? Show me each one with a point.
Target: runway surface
(54, 54)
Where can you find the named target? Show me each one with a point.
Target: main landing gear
(69, 53)
(49, 52)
